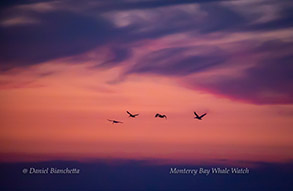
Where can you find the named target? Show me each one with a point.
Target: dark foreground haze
(141, 175)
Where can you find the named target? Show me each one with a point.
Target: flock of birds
(199, 117)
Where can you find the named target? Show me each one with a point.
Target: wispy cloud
(249, 36)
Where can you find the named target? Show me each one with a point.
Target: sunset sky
(68, 66)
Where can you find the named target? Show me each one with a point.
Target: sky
(67, 66)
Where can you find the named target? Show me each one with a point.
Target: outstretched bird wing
(110, 120)
(195, 114)
(157, 115)
(202, 115)
(128, 112)
(135, 115)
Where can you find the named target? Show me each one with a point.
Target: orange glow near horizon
(65, 113)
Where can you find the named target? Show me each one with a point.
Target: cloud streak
(32, 33)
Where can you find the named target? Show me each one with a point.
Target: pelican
(199, 117)
(160, 116)
(114, 121)
(132, 115)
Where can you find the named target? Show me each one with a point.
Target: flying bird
(199, 117)
(160, 116)
(132, 115)
(114, 121)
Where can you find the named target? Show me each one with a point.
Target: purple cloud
(72, 28)
(178, 61)
(269, 81)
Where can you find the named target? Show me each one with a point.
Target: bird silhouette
(114, 121)
(199, 117)
(132, 115)
(160, 116)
